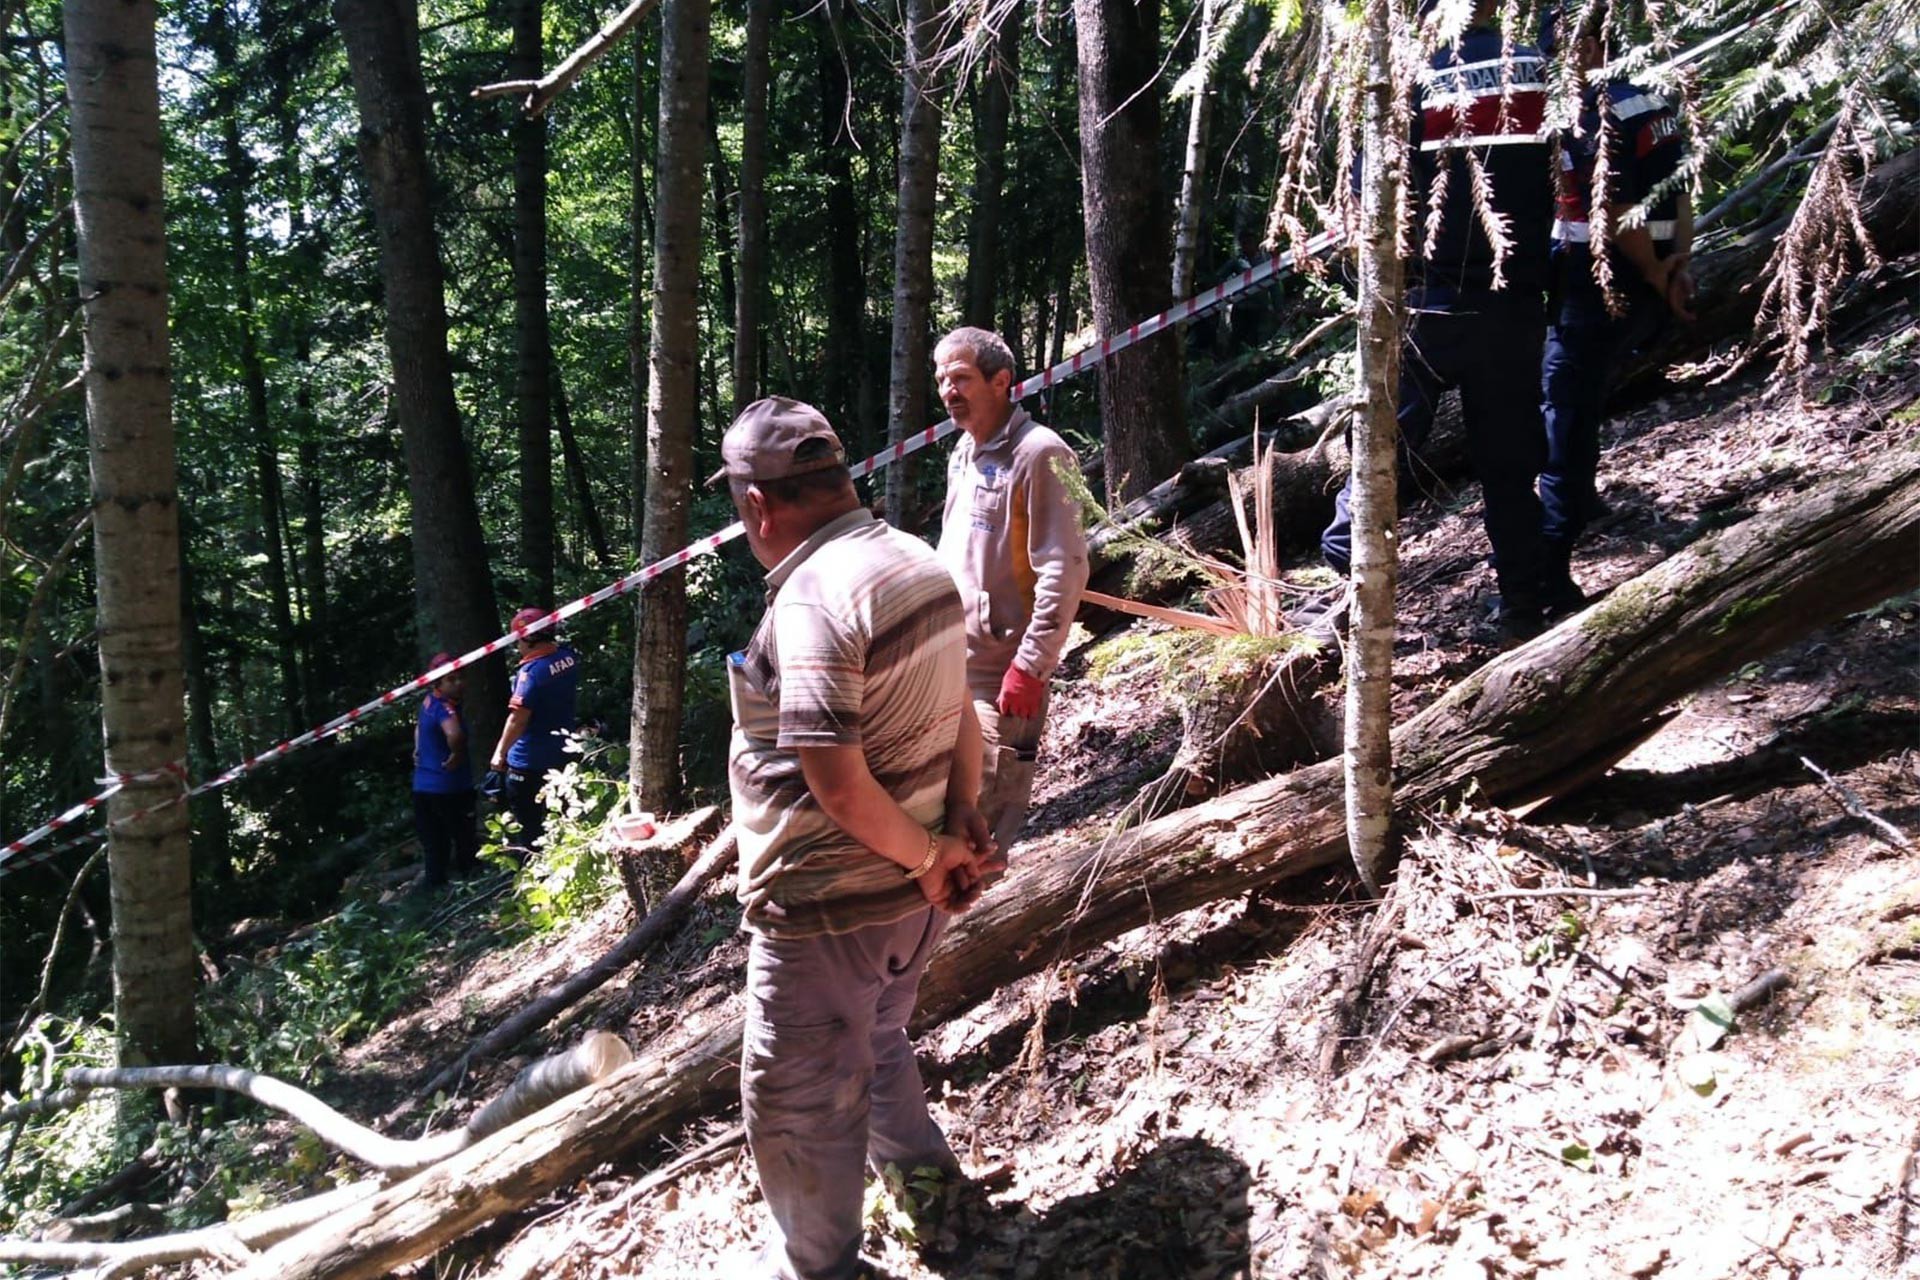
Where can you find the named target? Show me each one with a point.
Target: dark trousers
(1488, 345)
(523, 790)
(1584, 347)
(449, 838)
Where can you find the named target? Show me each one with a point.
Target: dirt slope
(1531, 1089)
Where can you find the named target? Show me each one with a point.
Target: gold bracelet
(926, 863)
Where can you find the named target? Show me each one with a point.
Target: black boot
(1518, 619)
(1560, 595)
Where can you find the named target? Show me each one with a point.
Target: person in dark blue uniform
(443, 802)
(1587, 338)
(1476, 320)
(540, 715)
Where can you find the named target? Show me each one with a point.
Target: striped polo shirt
(863, 645)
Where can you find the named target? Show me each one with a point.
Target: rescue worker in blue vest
(1476, 319)
(540, 715)
(1587, 339)
(443, 803)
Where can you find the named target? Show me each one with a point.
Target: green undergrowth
(292, 1011)
(1192, 662)
(570, 874)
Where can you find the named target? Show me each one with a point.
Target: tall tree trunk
(1142, 405)
(1193, 190)
(313, 550)
(115, 100)
(752, 254)
(316, 650)
(234, 182)
(993, 105)
(449, 550)
(576, 464)
(1063, 313)
(640, 323)
(533, 354)
(1381, 311)
(659, 652)
(846, 288)
(913, 254)
(722, 231)
(212, 844)
(272, 497)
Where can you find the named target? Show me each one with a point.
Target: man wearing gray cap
(855, 749)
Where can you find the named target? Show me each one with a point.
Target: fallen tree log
(1584, 692)
(599, 1055)
(1726, 274)
(720, 854)
(541, 1084)
(232, 1241)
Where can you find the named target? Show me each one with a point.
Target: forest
(335, 335)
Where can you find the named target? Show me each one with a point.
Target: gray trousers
(828, 1082)
(1009, 745)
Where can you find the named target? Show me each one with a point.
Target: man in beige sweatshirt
(1012, 540)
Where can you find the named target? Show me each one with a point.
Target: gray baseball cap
(766, 443)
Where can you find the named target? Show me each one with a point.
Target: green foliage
(331, 986)
(1137, 649)
(1861, 366)
(904, 1204)
(569, 874)
(59, 1155)
(1558, 941)
(1738, 615)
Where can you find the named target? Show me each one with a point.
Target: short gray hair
(989, 350)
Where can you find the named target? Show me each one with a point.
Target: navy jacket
(1644, 149)
(1469, 102)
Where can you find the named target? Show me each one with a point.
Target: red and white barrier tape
(1081, 361)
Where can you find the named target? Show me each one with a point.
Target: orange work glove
(1020, 694)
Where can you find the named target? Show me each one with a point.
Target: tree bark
(1577, 698)
(576, 464)
(911, 370)
(1142, 405)
(751, 283)
(114, 96)
(640, 320)
(723, 237)
(1518, 729)
(993, 107)
(209, 812)
(1193, 172)
(1381, 311)
(315, 631)
(533, 352)
(660, 647)
(449, 550)
(233, 184)
(846, 289)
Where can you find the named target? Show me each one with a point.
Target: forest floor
(1549, 1078)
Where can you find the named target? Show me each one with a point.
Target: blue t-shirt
(431, 772)
(545, 685)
